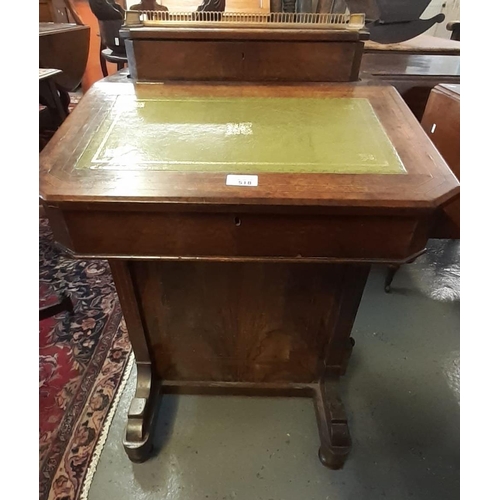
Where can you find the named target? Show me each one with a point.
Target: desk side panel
(239, 322)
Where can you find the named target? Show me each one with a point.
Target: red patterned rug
(83, 360)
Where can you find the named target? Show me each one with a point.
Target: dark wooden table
(64, 46)
(242, 285)
(414, 67)
(50, 96)
(420, 45)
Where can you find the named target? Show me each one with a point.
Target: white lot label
(242, 180)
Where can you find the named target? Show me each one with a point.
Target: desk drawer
(226, 235)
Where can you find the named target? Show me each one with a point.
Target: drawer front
(209, 235)
(193, 60)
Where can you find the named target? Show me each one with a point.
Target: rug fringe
(96, 455)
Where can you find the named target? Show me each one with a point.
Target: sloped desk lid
(352, 146)
(242, 135)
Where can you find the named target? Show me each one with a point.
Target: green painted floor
(401, 393)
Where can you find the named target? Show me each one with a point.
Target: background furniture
(414, 67)
(441, 121)
(110, 17)
(148, 5)
(54, 102)
(420, 45)
(242, 6)
(58, 11)
(64, 46)
(112, 47)
(45, 13)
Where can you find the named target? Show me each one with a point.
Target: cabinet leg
(138, 441)
(333, 428)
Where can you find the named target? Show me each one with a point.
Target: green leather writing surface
(243, 136)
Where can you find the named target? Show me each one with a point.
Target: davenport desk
(240, 221)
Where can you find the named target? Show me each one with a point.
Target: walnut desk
(240, 222)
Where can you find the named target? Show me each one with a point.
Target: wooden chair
(112, 46)
(110, 16)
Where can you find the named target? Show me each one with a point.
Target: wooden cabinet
(441, 121)
(64, 46)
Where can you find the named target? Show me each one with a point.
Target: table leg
(139, 432)
(335, 439)
(65, 99)
(52, 98)
(138, 441)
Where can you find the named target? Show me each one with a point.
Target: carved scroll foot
(332, 425)
(138, 441)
